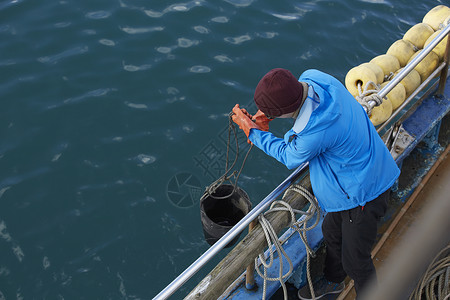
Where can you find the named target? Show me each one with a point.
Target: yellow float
(377, 70)
(436, 16)
(388, 63)
(445, 23)
(381, 113)
(440, 48)
(359, 75)
(418, 34)
(427, 65)
(397, 95)
(403, 50)
(411, 82)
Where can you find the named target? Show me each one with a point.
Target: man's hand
(243, 119)
(261, 120)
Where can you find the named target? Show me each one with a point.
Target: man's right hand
(261, 120)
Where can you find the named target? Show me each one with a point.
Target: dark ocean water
(114, 119)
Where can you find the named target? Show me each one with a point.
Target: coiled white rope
(435, 279)
(367, 95)
(300, 226)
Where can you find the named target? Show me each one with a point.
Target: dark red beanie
(278, 93)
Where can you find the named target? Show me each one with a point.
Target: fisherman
(351, 169)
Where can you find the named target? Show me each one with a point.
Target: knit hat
(278, 93)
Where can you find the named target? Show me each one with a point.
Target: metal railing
(267, 201)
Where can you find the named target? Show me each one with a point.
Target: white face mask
(289, 115)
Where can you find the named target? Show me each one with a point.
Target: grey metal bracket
(401, 139)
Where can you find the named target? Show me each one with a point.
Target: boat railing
(302, 169)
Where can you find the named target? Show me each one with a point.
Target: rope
(272, 238)
(435, 279)
(211, 189)
(367, 95)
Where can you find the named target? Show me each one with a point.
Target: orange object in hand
(261, 120)
(243, 120)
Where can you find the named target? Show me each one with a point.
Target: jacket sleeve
(291, 154)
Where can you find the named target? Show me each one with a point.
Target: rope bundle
(299, 226)
(367, 95)
(435, 284)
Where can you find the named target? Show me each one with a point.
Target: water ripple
(240, 3)
(200, 69)
(53, 59)
(188, 128)
(186, 43)
(6, 4)
(220, 19)
(223, 58)
(8, 62)
(62, 24)
(133, 68)
(164, 50)
(267, 35)
(153, 14)
(137, 105)
(238, 40)
(3, 190)
(287, 17)
(179, 7)
(145, 200)
(7, 29)
(144, 159)
(6, 236)
(201, 29)
(94, 93)
(173, 92)
(131, 30)
(107, 42)
(96, 15)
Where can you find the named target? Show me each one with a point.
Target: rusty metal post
(250, 273)
(443, 77)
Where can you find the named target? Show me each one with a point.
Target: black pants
(350, 236)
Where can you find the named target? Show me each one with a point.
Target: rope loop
(300, 226)
(436, 279)
(211, 189)
(367, 95)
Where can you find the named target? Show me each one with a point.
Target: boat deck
(435, 185)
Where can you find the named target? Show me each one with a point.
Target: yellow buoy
(359, 75)
(418, 34)
(437, 16)
(427, 65)
(411, 82)
(403, 50)
(377, 70)
(397, 95)
(381, 113)
(388, 63)
(440, 48)
(445, 23)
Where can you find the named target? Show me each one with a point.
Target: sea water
(114, 119)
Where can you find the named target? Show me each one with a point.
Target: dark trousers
(349, 236)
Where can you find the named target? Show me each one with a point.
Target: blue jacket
(349, 163)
